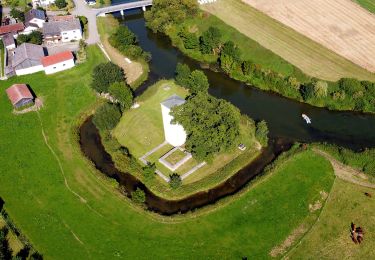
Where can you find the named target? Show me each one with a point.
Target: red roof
(57, 58)
(17, 92)
(11, 28)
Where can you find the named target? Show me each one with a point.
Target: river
(348, 129)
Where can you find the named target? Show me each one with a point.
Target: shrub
(149, 171)
(138, 196)
(350, 86)
(107, 117)
(61, 4)
(261, 133)
(122, 93)
(182, 75)
(320, 88)
(175, 181)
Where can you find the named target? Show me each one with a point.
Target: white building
(62, 31)
(175, 134)
(42, 3)
(27, 59)
(58, 62)
(34, 19)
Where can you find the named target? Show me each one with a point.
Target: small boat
(307, 119)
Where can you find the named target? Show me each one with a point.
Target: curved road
(82, 9)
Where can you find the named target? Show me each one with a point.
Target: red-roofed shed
(20, 95)
(12, 28)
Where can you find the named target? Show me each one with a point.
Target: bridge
(122, 7)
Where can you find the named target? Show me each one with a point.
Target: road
(81, 9)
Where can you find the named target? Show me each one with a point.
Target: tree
(164, 13)
(104, 75)
(350, 86)
(183, 75)
(123, 37)
(307, 91)
(261, 133)
(61, 4)
(212, 125)
(320, 88)
(198, 82)
(36, 37)
(107, 116)
(230, 49)
(122, 93)
(22, 38)
(149, 171)
(210, 40)
(5, 251)
(175, 181)
(17, 14)
(138, 196)
(191, 41)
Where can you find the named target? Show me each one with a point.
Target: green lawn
(368, 4)
(141, 130)
(309, 56)
(105, 225)
(330, 237)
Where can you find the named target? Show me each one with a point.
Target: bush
(123, 94)
(261, 133)
(138, 196)
(107, 117)
(183, 75)
(61, 4)
(149, 171)
(17, 14)
(104, 75)
(175, 181)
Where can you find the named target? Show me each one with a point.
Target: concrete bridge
(123, 7)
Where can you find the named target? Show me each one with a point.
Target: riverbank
(273, 73)
(136, 71)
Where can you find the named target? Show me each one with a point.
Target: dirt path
(345, 172)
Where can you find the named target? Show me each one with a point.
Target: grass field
(368, 4)
(43, 200)
(309, 56)
(330, 237)
(141, 130)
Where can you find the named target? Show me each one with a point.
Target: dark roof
(34, 13)
(18, 92)
(56, 27)
(173, 101)
(8, 39)
(28, 51)
(12, 28)
(57, 58)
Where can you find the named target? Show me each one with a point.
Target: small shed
(20, 95)
(175, 134)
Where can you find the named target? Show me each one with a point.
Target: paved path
(82, 9)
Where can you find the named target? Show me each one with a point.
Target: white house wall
(59, 67)
(68, 36)
(29, 70)
(175, 134)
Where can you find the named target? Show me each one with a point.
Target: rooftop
(8, 39)
(34, 13)
(27, 51)
(12, 28)
(57, 58)
(56, 27)
(17, 92)
(173, 101)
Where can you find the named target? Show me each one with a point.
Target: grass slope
(367, 4)
(103, 224)
(330, 237)
(309, 56)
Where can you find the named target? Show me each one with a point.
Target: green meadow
(69, 211)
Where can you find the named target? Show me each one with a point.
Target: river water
(352, 130)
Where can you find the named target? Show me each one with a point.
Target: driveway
(81, 9)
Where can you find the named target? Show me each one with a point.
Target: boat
(307, 119)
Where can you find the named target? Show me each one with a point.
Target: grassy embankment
(14, 243)
(141, 130)
(330, 237)
(367, 4)
(137, 71)
(311, 57)
(102, 224)
(2, 57)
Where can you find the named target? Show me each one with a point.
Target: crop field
(368, 4)
(340, 25)
(311, 57)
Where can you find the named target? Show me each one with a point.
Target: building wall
(39, 22)
(29, 70)
(68, 36)
(24, 102)
(175, 134)
(59, 67)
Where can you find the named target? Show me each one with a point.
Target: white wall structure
(58, 62)
(175, 134)
(30, 70)
(59, 66)
(71, 35)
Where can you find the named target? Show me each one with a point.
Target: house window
(54, 68)
(74, 31)
(63, 64)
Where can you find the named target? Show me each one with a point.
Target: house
(12, 28)
(175, 134)
(20, 95)
(62, 31)
(42, 3)
(9, 42)
(27, 59)
(58, 62)
(34, 19)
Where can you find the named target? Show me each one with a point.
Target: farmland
(368, 4)
(334, 24)
(304, 53)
